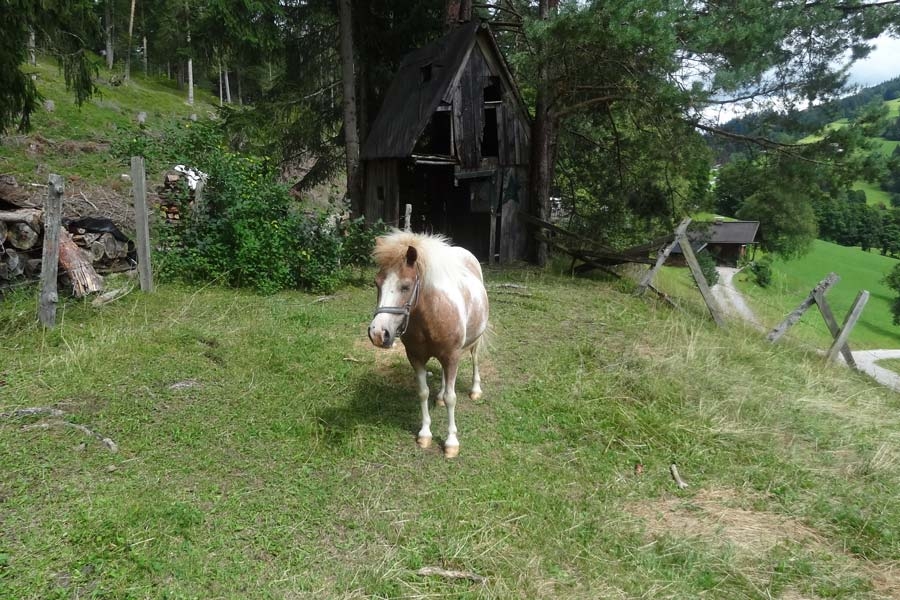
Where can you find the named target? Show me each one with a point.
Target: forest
(622, 96)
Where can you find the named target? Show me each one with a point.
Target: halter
(402, 310)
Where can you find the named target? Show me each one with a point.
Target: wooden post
(833, 327)
(407, 218)
(50, 256)
(691, 259)
(493, 238)
(795, 315)
(647, 279)
(852, 317)
(142, 225)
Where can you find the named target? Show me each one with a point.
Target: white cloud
(883, 63)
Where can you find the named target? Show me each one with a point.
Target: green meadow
(858, 270)
(264, 449)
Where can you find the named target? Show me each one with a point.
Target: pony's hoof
(440, 402)
(474, 396)
(423, 442)
(451, 451)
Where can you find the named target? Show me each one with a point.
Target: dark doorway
(441, 204)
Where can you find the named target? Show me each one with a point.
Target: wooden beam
(795, 314)
(647, 279)
(49, 297)
(852, 317)
(697, 272)
(833, 327)
(142, 222)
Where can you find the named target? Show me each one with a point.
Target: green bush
(247, 230)
(708, 267)
(762, 271)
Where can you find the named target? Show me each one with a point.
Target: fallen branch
(678, 480)
(30, 412)
(111, 296)
(104, 440)
(88, 201)
(439, 572)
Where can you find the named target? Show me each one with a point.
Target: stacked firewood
(86, 246)
(20, 232)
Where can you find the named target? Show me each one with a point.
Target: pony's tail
(484, 343)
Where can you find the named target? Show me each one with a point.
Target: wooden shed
(726, 241)
(451, 139)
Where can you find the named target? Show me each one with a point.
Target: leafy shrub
(762, 271)
(708, 267)
(247, 230)
(892, 280)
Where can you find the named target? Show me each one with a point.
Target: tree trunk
(190, 63)
(351, 130)
(237, 74)
(129, 48)
(32, 52)
(541, 160)
(145, 54)
(451, 15)
(227, 86)
(220, 83)
(190, 70)
(110, 47)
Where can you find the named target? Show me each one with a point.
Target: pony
(431, 295)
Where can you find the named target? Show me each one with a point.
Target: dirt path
(732, 302)
(730, 299)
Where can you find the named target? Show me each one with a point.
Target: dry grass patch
(718, 517)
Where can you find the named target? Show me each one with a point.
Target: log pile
(86, 246)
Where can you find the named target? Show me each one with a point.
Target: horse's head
(398, 292)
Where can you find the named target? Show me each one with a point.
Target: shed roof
(721, 232)
(413, 96)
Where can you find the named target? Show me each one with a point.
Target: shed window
(426, 73)
(492, 91)
(490, 143)
(436, 139)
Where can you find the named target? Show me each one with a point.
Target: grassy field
(858, 271)
(266, 450)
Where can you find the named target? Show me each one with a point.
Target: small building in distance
(726, 241)
(452, 140)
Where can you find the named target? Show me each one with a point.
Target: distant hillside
(77, 142)
(858, 270)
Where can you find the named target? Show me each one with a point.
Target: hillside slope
(88, 145)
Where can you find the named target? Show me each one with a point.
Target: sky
(882, 64)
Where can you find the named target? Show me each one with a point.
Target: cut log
(22, 236)
(3, 228)
(33, 267)
(85, 239)
(11, 192)
(97, 250)
(31, 216)
(109, 245)
(77, 265)
(11, 264)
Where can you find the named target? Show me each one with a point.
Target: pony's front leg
(423, 439)
(451, 445)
